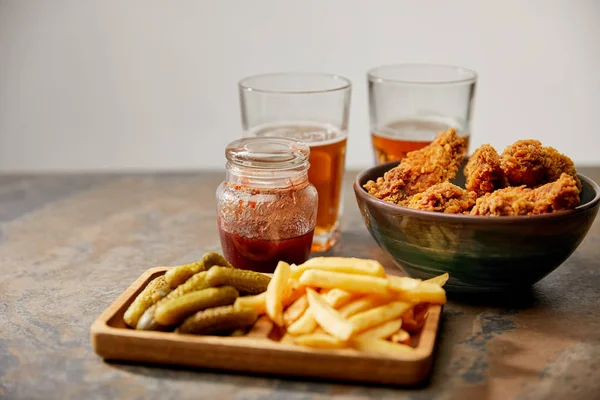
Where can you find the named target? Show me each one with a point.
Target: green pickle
(148, 323)
(175, 310)
(218, 319)
(247, 282)
(147, 320)
(196, 282)
(178, 275)
(153, 292)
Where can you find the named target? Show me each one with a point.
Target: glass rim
(373, 77)
(346, 83)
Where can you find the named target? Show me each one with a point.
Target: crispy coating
(527, 162)
(523, 163)
(421, 169)
(562, 194)
(444, 197)
(483, 171)
(556, 163)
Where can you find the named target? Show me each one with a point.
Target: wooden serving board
(113, 340)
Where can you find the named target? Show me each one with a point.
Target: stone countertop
(70, 244)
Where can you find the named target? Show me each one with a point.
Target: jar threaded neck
(267, 162)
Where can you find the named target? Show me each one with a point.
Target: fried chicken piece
(443, 197)
(556, 163)
(562, 194)
(421, 169)
(523, 163)
(527, 162)
(483, 171)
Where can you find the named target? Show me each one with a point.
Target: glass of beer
(313, 108)
(409, 104)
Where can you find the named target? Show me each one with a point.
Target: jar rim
(268, 153)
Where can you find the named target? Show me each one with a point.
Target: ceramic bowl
(480, 253)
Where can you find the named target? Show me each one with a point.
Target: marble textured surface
(70, 244)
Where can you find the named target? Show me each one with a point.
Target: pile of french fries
(336, 303)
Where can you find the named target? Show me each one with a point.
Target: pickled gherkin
(154, 291)
(247, 282)
(178, 275)
(196, 282)
(147, 321)
(218, 319)
(173, 311)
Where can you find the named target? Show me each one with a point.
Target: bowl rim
(362, 193)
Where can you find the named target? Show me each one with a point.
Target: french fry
(361, 304)
(295, 272)
(362, 284)
(293, 294)
(276, 291)
(380, 346)
(414, 319)
(336, 302)
(439, 280)
(401, 336)
(403, 283)
(428, 293)
(320, 341)
(423, 292)
(262, 328)
(378, 315)
(410, 325)
(327, 317)
(382, 331)
(257, 302)
(342, 264)
(295, 310)
(305, 324)
(337, 297)
(287, 339)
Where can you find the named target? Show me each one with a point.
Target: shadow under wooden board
(113, 340)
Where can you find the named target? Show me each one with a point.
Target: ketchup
(266, 207)
(263, 255)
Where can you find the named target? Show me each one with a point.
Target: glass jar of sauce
(266, 208)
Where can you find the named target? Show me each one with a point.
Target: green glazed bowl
(481, 254)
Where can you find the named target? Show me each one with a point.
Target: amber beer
(326, 172)
(394, 140)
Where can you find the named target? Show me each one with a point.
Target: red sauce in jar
(266, 207)
(263, 255)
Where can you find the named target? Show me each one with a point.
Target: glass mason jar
(266, 208)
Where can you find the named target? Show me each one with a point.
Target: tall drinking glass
(313, 108)
(410, 104)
